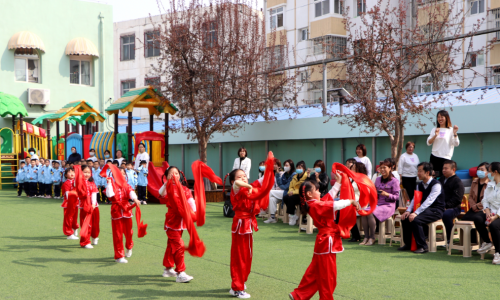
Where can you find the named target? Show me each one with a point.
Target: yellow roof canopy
(81, 46)
(79, 111)
(26, 39)
(145, 97)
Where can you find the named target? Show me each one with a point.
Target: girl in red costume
(89, 211)
(70, 221)
(321, 275)
(247, 200)
(118, 192)
(175, 225)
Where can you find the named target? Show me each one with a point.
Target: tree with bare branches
(216, 66)
(391, 49)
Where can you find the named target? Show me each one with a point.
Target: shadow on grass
(122, 280)
(43, 261)
(28, 247)
(157, 294)
(36, 238)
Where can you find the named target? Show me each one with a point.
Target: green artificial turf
(37, 262)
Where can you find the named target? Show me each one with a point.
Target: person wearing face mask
(92, 156)
(107, 157)
(292, 198)
(443, 139)
(75, 156)
(32, 153)
(476, 195)
(320, 176)
(491, 204)
(262, 168)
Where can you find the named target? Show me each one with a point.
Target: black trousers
(48, 189)
(290, 202)
(418, 225)
(437, 164)
(410, 185)
(355, 232)
(32, 189)
(495, 234)
(141, 193)
(478, 218)
(98, 195)
(20, 187)
(57, 190)
(39, 189)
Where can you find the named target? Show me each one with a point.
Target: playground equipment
(12, 143)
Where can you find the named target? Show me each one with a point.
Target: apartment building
(304, 27)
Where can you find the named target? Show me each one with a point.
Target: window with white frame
(275, 57)
(474, 59)
(127, 85)
(152, 46)
(321, 7)
(338, 6)
(303, 76)
(360, 7)
(427, 85)
(332, 45)
(476, 7)
(495, 15)
(276, 17)
(303, 34)
(127, 49)
(495, 75)
(80, 71)
(26, 65)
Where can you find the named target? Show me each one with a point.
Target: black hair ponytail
(305, 187)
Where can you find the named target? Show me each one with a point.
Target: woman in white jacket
(491, 204)
(443, 139)
(243, 162)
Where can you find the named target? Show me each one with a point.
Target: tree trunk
(397, 143)
(202, 148)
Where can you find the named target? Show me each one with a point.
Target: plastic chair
(465, 245)
(399, 237)
(308, 226)
(433, 236)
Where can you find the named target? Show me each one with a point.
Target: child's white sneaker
(183, 277)
(76, 232)
(144, 203)
(169, 273)
(496, 259)
(88, 246)
(72, 237)
(292, 220)
(121, 260)
(94, 241)
(270, 220)
(239, 294)
(128, 253)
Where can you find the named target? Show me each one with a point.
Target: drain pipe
(101, 67)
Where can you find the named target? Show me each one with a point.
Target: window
(127, 47)
(152, 46)
(476, 7)
(495, 13)
(26, 65)
(360, 7)
(127, 85)
(338, 6)
(495, 75)
(359, 46)
(210, 34)
(303, 34)
(276, 17)
(474, 59)
(332, 45)
(276, 57)
(79, 72)
(303, 76)
(321, 7)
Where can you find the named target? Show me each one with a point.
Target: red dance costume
(89, 218)
(321, 275)
(175, 224)
(70, 221)
(246, 207)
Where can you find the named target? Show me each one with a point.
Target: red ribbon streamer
(196, 246)
(201, 170)
(417, 201)
(262, 193)
(368, 196)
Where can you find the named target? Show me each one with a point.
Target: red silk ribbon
(201, 170)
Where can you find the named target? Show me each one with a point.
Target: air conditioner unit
(39, 96)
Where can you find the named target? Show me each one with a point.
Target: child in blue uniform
(56, 179)
(97, 179)
(21, 178)
(142, 182)
(40, 187)
(131, 176)
(46, 174)
(32, 177)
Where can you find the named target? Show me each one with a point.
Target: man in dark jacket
(431, 209)
(74, 157)
(453, 193)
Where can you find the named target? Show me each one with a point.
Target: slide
(154, 182)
